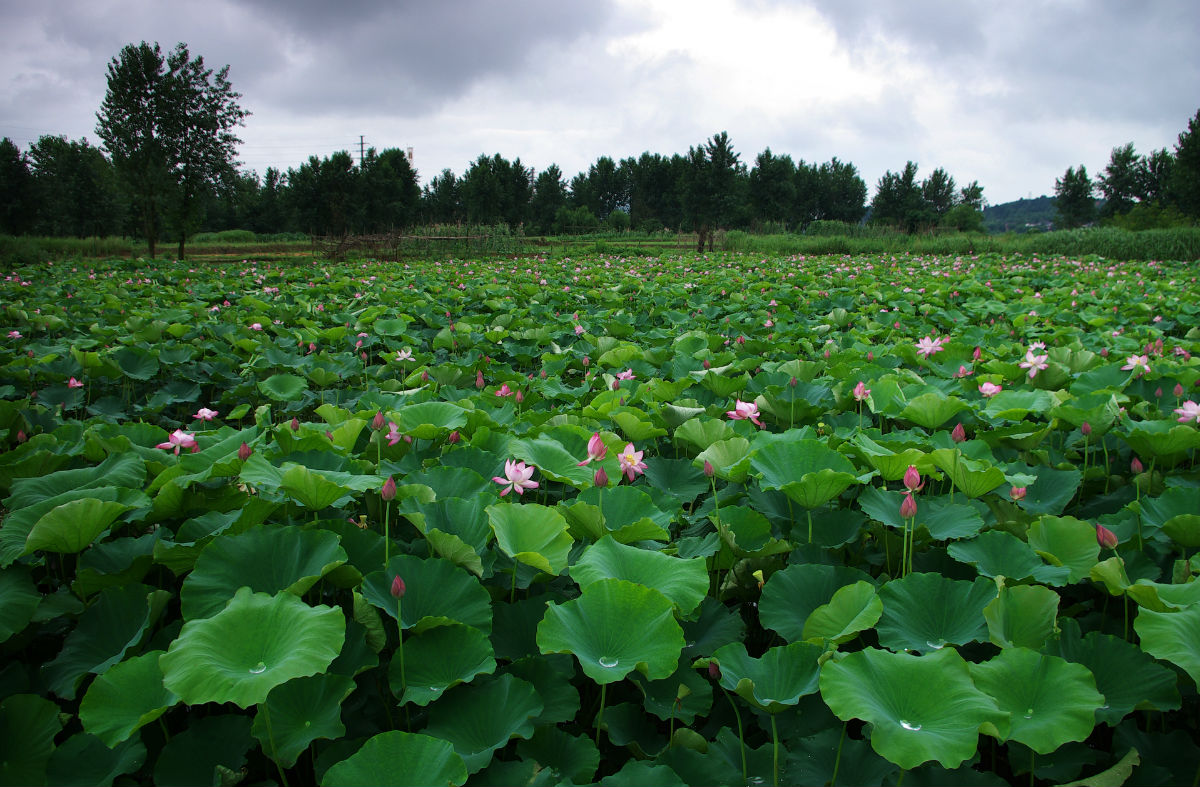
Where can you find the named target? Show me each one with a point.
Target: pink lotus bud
(244, 452)
(959, 434)
(709, 471)
(870, 356)
(1136, 466)
(908, 508)
(388, 492)
(1178, 389)
(1104, 352)
(520, 397)
(600, 479)
(1158, 392)
(792, 382)
(707, 364)
(424, 377)
(912, 479)
(453, 437)
(479, 379)
(295, 424)
(1106, 538)
(398, 588)
(21, 436)
(827, 354)
(1085, 428)
(377, 421)
(714, 670)
(586, 361)
(329, 434)
(975, 355)
(1017, 493)
(616, 384)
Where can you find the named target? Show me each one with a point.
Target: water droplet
(435, 689)
(606, 661)
(936, 645)
(258, 669)
(1029, 713)
(908, 726)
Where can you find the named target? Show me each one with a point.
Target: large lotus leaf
(533, 534)
(426, 760)
(1066, 541)
(1126, 675)
(19, 598)
(730, 459)
(428, 420)
(933, 409)
(254, 644)
(573, 757)
(84, 759)
(437, 593)
(390, 326)
(715, 626)
(18, 524)
(747, 532)
(1015, 405)
(477, 719)
(28, 724)
(703, 432)
(996, 553)
(453, 482)
(1100, 410)
(1172, 636)
(553, 461)
(125, 698)
(685, 582)
(925, 612)
(71, 526)
(790, 596)
(635, 424)
(1052, 490)
(972, 477)
(1112, 574)
(439, 658)
(1163, 597)
(283, 387)
(1022, 616)
(551, 676)
(626, 513)
(807, 471)
(1177, 512)
(774, 682)
(106, 630)
(457, 516)
(921, 708)
(890, 464)
(1165, 440)
(1051, 701)
(852, 609)
(126, 469)
(684, 695)
(311, 489)
(613, 628)
(267, 559)
(943, 519)
(299, 712)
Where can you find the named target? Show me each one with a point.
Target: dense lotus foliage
(657, 521)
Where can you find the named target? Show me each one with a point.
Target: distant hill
(1023, 215)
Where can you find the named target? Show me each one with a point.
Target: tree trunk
(182, 240)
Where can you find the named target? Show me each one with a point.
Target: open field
(699, 519)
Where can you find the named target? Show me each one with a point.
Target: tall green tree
(16, 190)
(898, 201)
(713, 188)
(442, 198)
(168, 125)
(1074, 204)
(323, 194)
(549, 194)
(75, 189)
(773, 188)
(389, 194)
(1184, 184)
(938, 192)
(1123, 182)
(841, 193)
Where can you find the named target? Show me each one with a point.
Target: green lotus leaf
(790, 596)
(1022, 616)
(852, 609)
(635, 425)
(1126, 675)
(996, 553)
(551, 676)
(1066, 541)
(429, 420)
(84, 759)
(974, 478)
(1050, 701)
(1164, 440)
(438, 659)
(70, 527)
(299, 712)
(684, 695)
(921, 708)
(715, 626)
(427, 760)
(461, 516)
(933, 409)
(747, 532)
(774, 682)
(283, 387)
(1172, 636)
(312, 489)
(730, 458)
(613, 628)
(125, 698)
(943, 519)
(553, 461)
(1163, 597)
(1051, 491)
(267, 559)
(1177, 512)
(136, 363)
(1015, 405)
(573, 757)
(199, 754)
(533, 534)
(925, 612)
(254, 644)
(19, 598)
(685, 582)
(1100, 410)
(454, 482)
(390, 326)
(807, 471)
(1112, 573)
(437, 593)
(28, 724)
(703, 432)
(511, 706)
(1115, 776)
(626, 513)
(890, 464)
(126, 469)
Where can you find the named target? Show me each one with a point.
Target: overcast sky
(1009, 94)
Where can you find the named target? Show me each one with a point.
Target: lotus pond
(654, 521)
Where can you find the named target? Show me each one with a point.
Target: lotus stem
(600, 713)
(271, 738)
(774, 752)
(837, 761)
(809, 513)
(737, 714)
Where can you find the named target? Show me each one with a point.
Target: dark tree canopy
(1073, 200)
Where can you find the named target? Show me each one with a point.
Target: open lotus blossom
(861, 392)
(393, 435)
(578, 330)
(516, 478)
(179, 439)
(256, 326)
(927, 346)
(1017, 492)
(1138, 364)
(626, 375)
(1189, 412)
(596, 449)
(504, 390)
(1034, 363)
(73, 383)
(14, 334)
(990, 389)
(404, 355)
(631, 462)
(204, 414)
(744, 411)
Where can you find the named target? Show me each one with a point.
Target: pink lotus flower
(479, 379)
(404, 355)
(1190, 411)
(912, 480)
(861, 392)
(204, 414)
(600, 478)
(504, 390)
(388, 490)
(14, 334)
(990, 389)
(959, 434)
(963, 372)
(1017, 493)
(73, 383)
(393, 435)
(516, 478)
(1105, 537)
(744, 411)
(377, 421)
(908, 507)
(179, 439)
(256, 326)
(1034, 363)
(579, 330)
(596, 449)
(626, 375)
(244, 452)
(709, 470)
(927, 346)
(1138, 364)
(631, 462)
(398, 588)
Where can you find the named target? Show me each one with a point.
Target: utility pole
(361, 150)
